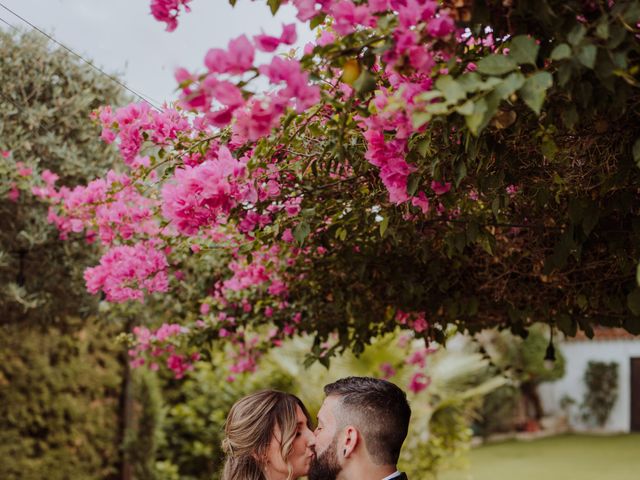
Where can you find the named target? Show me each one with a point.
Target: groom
(361, 426)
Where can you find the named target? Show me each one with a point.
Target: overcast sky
(121, 36)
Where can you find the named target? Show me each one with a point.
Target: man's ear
(351, 440)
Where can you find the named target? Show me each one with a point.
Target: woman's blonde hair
(249, 429)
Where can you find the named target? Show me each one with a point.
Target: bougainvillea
(422, 163)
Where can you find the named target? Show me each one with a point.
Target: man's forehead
(326, 411)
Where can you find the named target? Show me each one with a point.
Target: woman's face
(300, 455)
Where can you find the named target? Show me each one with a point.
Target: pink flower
(268, 43)
(127, 272)
(387, 370)
(418, 358)
(199, 195)
(23, 170)
(14, 193)
(347, 16)
(257, 119)
(512, 190)
(420, 324)
(326, 38)
(419, 381)
(306, 9)
(237, 59)
(241, 54)
(440, 26)
(292, 206)
(167, 11)
(287, 236)
(49, 178)
(421, 201)
(289, 35)
(440, 188)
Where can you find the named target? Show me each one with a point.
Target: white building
(608, 345)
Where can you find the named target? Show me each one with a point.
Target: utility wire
(111, 77)
(9, 25)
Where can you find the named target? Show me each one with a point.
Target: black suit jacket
(403, 476)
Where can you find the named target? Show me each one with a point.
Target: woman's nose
(311, 438)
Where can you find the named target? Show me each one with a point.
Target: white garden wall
(577, 355)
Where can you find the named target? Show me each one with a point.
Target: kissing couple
(361, 427)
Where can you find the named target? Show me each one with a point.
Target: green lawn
(566, 457)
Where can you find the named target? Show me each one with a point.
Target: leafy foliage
(59, 394)
(523, 361)
(485, 175)
(601, 382)
(46, 98)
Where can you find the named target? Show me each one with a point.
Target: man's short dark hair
(378, 409)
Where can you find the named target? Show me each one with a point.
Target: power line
(111, 77)
(9, 25)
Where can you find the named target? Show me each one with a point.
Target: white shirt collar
(393, 475)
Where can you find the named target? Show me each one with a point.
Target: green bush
(601, 380)
(59, 394)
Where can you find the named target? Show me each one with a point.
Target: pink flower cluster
(111, 207)
(262, 270)
(153, 346)
(415, 320)
(128, 272)
(167, 11)
(268, 43)
(223, 103)
(130, 123)
(200, 196)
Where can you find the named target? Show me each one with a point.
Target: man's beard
(325, 466)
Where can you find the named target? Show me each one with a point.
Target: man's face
(325, 466)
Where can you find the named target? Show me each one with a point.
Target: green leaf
(567, 325)
(587, 55)
(561, 52)
(274, 5)
(636, 152)
(576, 34)
(633, 301)
(638, 274)
(301, 232)
(429, 95)
(424, 147)
(365, 82)
(413, 182)
(453, 92)
(524, 50)
(420, 117)
(384, 224)
(509, 85)
(602, 30)
(496, 64)
(317, 20)
(534, 90)
(466, 108)
(476, 119)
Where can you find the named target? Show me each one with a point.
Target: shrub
(601, 380)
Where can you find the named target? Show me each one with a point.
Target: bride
(267, 437)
